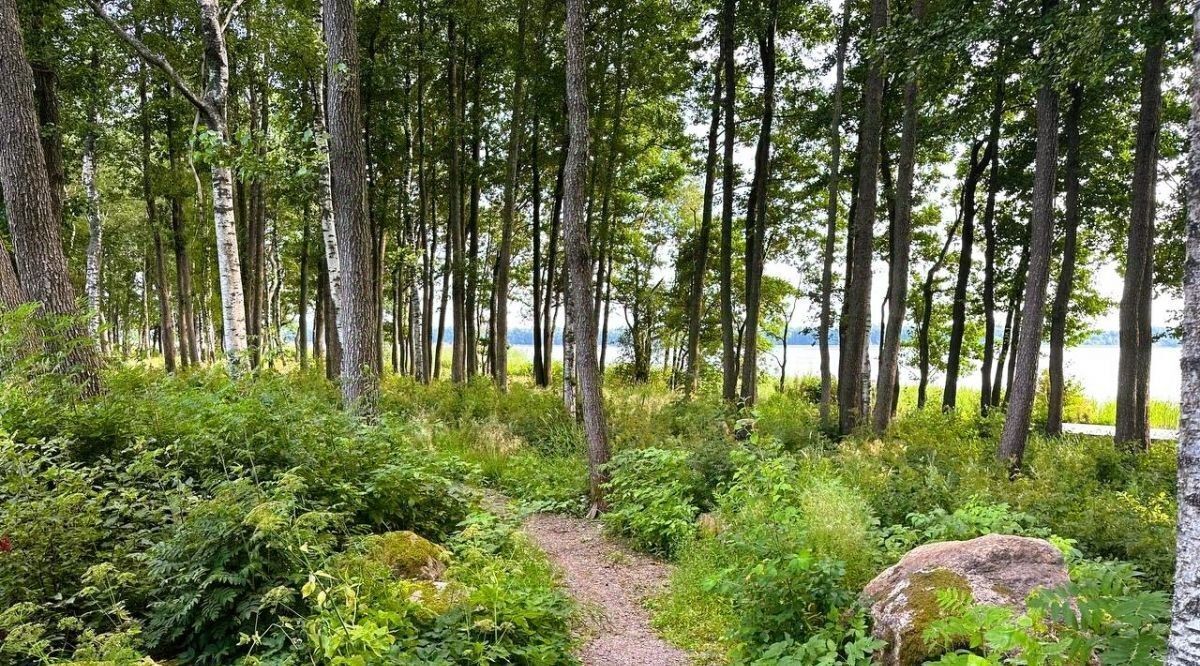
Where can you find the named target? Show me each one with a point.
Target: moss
(408, 555)
(922, 602)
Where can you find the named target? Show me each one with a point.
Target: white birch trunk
(229, 269)
(95, 249)
(1184, 646)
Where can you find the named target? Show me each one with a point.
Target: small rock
(996, 569)
(408, 555)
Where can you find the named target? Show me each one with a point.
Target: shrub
(651, 498)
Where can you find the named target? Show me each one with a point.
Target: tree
(756, 211)
(700, 256)
(579, 261)
(728, 353)
(1133, 375)
(1041, 229)
(1066, 274)
(889, 354)
(500, 337)
(1184, 643)
(41, 264)
(212, 109)
(356, 308)
(831, 208)
(857, 306)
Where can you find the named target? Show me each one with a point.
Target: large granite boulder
(995, 569)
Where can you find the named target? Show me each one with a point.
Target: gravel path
(610, 581)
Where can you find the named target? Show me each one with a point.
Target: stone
(409, 555)
(1001, 570)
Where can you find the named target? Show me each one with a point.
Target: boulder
(409, 556)
(996, 569)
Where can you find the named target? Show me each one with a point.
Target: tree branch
(151, 57)
(229, 15)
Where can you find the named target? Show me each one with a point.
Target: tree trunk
(958, 313)
(756, 210)
(1041, 231)
(700, 254)
(553, 281)
(1066, 275)
(455, 248)
(95, 249)
(189, 344)
(356, 308)
(858, 292)
(302, 297)
(1133, 418)
(831, 209)
(728, 352)
(888, 386)
(472, 297)
(41, 264)
(578, 261)
(989, 247)
(11, 293)
(927, 293)
(512, 169)
(165, 320)
(1183, 647)
(539, 370)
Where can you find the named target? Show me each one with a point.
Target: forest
(599, 332)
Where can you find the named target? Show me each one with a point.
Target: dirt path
(610, 582)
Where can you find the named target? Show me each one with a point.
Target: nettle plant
(1103, 616)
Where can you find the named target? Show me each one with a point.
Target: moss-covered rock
(407, 555)
(994, 569)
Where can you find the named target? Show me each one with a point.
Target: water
(1093, 367)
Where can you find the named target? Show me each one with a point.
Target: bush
(651, 498)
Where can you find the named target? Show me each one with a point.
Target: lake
(1094, 367)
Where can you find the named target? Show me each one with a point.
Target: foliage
(650, 498)
(1103, 615)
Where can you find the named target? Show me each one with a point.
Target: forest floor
(610, 582)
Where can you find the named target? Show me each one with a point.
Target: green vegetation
(252, 522)
(217, 522)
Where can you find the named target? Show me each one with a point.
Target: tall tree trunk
(189, 346)
(989, 247)
(831, 208)
(958, 312)
(165, 320)
(553, 281)
(539, 370)
(455, 248)
(95, 249)
(356, 309)
(302, 297)
(1133, 418)
(512, 169)
(1066, 275)
(927, 293)
(1183, 647)
(472, 296)
(888, 386)
(756, 210)
(1041, 231)
(41, 264)
(700, 254)
(578, 261)
(858, 292)
(728, 351)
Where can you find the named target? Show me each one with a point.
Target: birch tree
(211, 107)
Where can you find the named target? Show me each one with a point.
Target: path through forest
(610, 582)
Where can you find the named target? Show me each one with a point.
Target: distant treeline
(1163, 337)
